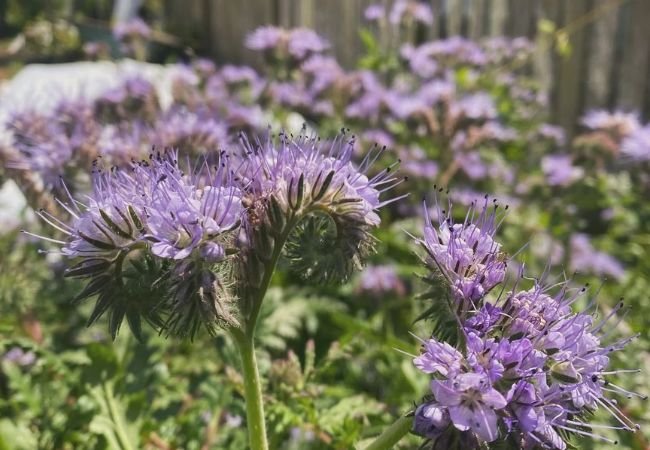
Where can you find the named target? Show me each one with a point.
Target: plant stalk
(245, 339)
(252, 393)
(392, 434)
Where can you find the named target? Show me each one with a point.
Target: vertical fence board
(646, 109)
(454, 17)
(546, 61)
(601, 55)
(632, 77)
(284, 13)
(520, 14)
(439, 19)
(498, 18)
(476, 13)
(569, 100)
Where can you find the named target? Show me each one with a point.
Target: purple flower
(439, 357)
(483, 356)
(191, 132)
(522, 399)
(324, 71)
(471, 402)
(304, 42)
(636, 145)
(532, 310)
(436, 91)
(323, 171)
(420, 59)
(375, 13)
(20, 357)
(430, 420)
(379, 137)
(378, 281)
(559, 170)
(302, 178)
(528, 364)
(153, 203)
(153, 215)
(133, 29)
(182, 213)
(585, 258)
(265, 38)
(553, 133)
(475, 106)
(402, 105)
(484, 319)
(424, 169)
(466, 253)
(471, 163)
(406, 10)
(370, 98)
(619, 122)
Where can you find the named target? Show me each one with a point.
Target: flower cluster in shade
(401, 12)
(528, 370)
(379, 281)
(617, 133)
(191, 216)
(297, 43)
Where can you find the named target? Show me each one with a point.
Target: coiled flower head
(314, 189)
(148, 239)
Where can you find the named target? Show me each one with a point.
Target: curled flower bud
(315, 192)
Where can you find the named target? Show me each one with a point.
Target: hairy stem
(252, 392)
(392, 434)
(245, 340)
(269, 269)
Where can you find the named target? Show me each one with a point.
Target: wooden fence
(608, 65)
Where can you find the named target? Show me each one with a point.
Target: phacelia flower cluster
(151, 215)
(182, 229)
(466, 254)
(316, 187)
(528, 370)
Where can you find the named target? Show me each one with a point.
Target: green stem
(266, 280)
(392, 434)
(245, 339)
(118, 419)
(252, 392)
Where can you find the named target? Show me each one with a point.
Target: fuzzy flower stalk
(189, 244)
(522, 370)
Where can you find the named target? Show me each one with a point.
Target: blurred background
(542, 105)
(602, 57)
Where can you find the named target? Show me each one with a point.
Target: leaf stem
(392, 434)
